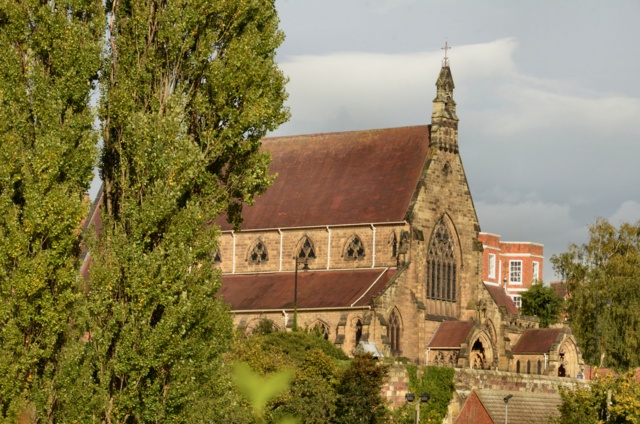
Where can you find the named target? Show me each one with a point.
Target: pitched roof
(502, 299)
(316, 289)
(524, 408)
(537, 340)
(451, 334)
(339, 178)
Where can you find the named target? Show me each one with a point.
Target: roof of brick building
(502, 299)
(450, 334)
(524, 408)
(339, 178)
(537, 340)
(316, 289)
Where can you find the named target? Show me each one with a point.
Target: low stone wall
(467, 380)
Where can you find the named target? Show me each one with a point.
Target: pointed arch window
(258, 253)
(306, 250)
(393, 241)
(354, 250)
(216, 258)
(442, 267)
(358, 332)
(321, 329)
(393, 332)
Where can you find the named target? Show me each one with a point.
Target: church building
(371, 238)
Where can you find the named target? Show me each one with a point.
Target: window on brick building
(354, 249)
(442, 266)
(518, 367)
(258, 253)
(306, 250)
(535, 274)
(393, 332)
(492, 265)
(515, 272)
(528, 367)
(517, 299)
(539, 367)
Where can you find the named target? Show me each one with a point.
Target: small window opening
(306, 250)
(259, 254)
(355, 249)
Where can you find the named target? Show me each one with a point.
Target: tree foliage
(189, 87)
(435, 381)
(609, 399)
(48, 67)
(603, 280)
(541, 301)
(359, 392)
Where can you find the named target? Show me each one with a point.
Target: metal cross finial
(446, 48)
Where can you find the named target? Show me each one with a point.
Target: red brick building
(512, 265)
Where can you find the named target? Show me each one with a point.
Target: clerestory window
(354, 250)
(306, 250)
(258, 254)
(442, 267)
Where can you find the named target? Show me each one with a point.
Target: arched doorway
(481, 355)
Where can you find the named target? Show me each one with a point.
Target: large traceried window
(515, 272)
(442, 267)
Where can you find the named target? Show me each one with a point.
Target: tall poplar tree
(189, 88)
(49, 60)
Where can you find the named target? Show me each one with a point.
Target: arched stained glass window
(393, 332)
(354, 249)
(441, 265)
(306, 250)
(258, 253)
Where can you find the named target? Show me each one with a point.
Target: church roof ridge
(331, 133)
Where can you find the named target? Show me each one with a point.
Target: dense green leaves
(609, 399)
(189, 87)
(603, 279)
(541, 301)
(48, 66)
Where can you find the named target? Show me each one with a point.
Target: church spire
(444, 121)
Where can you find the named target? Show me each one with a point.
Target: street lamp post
(506, 408)
(424, 398)
(305, 267)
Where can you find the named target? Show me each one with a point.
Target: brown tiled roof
(537, 340)
(451, 334)
(559, 288)
(339, 178)
(524, 408)
(316, 289)
(502, 299)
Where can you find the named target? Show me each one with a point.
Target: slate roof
(537, 340)
(502, 299)
(316, 289)
(339, 178)
(524, 408)
(451, 334)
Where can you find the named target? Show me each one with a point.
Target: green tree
(189, 87)
(359, 392)
(610, 399)
(541, 301)
(603, 280)
(48, 68)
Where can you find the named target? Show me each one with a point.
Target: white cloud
(628, 211)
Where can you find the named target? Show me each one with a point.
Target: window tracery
(442, 265)
(306, 250)
(393, 332)
(354, 250)
(258, 253)
(321, 329)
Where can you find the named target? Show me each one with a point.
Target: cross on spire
(446, 48)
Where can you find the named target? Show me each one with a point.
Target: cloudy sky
(548, 96)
